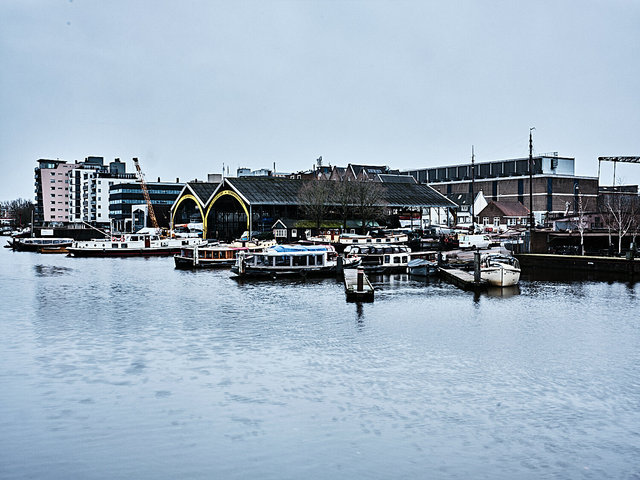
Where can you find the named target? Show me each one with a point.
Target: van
(474, 241)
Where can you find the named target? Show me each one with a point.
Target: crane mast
(145, 192)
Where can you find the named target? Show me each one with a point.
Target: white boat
(500, 270)
(288, 260)
(130, 245)
(388, 239)
(216, 255)
(381, 258)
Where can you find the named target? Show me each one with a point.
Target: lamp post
(530, 186)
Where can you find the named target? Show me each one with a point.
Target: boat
(421, 267)
(423, 264)
(36, 244)
(385, 239)
(288, 260)
(215, 255)
(131, 245)
(381, 258)
(500, 270)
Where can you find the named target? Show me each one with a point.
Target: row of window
(140, 201)
(151, 191)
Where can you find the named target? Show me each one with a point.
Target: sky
(190, 87)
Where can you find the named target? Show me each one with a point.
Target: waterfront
(128, 368)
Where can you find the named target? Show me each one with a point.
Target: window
(294, 232)
(280, 232)
(485, 220)
(496, 221)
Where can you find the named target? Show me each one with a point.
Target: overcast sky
(188, 86)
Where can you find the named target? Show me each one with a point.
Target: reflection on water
(180, 374)
(50, 270)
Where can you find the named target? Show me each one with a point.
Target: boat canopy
(298, 248)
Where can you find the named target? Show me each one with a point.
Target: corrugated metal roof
(390, 178)
(203, 190)
(415, 195)
(284, 191)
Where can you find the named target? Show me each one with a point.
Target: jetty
(357, 286)
(466, 280)
(462, 279)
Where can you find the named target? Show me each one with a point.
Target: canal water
(127, 368)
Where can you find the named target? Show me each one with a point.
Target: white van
(474, 241)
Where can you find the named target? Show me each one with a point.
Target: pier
(357, 286)
(462, 279)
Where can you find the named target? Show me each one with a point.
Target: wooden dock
(462, 279)
(355, 294)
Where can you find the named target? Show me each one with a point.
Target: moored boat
(130, 245)
(288, 260)
(381, 258)
(500, 270)
(35, 244)
(216, 255)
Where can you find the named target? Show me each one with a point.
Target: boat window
(396, 259)
(300, 260)
(312, 260)
(405, 259)
(263, 260)
(282, 261)
(114, 245)
(387, 259)
(124, 245)
(318, 259)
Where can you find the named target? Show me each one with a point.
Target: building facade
(52, 201)
(89, 185)
(555, 187)
(125, 198)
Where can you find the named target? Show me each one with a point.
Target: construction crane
(145, 192)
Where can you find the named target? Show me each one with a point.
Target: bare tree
(20, 210)
(344, 197)
(620, 216)
(582, 222)
(315, 196)
(368, 201)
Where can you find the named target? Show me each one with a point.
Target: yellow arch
(233, 194)
(188, 196)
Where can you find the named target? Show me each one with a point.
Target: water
(127, 368)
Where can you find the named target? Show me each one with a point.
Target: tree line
(345, 199)
(19, 211)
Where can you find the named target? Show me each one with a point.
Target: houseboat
(36, 244)
(500, 270)
(381, 258)
(131, 245)
(288, 260)
(216, 255)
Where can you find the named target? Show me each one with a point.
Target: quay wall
(563, 263)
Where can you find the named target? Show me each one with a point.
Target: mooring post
(476, 267)
(439, 259)
(360, 286)
(339, 265)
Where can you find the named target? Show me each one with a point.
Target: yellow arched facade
(188, 196)
(230, 193)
